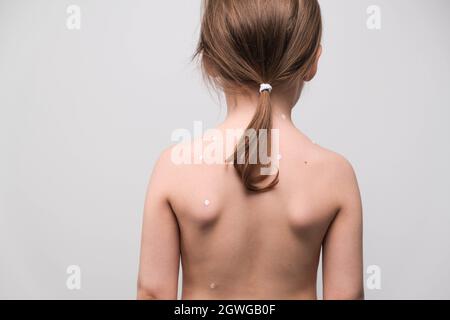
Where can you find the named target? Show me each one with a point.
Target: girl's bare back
(236, 244)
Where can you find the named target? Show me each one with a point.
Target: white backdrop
(84, 114)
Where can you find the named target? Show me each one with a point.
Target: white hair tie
(265, 87)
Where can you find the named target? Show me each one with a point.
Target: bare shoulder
(177, 165)
(336, 174)
(165, 172)
(337, 166)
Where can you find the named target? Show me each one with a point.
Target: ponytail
(250, 145)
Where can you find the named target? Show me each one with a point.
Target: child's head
(246, 43)
(250, 42)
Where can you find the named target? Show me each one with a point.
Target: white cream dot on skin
(207, 203)
(212, 286)
(283, 116)
(279, 157)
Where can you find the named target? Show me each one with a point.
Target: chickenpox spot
(306, 162)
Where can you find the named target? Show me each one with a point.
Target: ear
(312, 72)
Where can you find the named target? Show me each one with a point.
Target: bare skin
(236, 244)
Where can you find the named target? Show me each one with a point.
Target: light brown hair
(244, 43)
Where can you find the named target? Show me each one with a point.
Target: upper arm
(159, 261)
(342, 247)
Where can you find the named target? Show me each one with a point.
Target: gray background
(84, 115)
